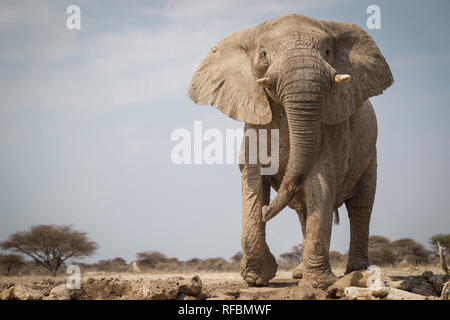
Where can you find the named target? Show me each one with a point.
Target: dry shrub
(111, 265)
(410, 252)
(211, 264)
(290, 259)
(10, 263)
(168, 266)
(149, 259)
(443, 239)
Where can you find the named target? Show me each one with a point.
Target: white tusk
(342, 78)
(264, 82)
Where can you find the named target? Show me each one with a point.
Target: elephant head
(319, 71)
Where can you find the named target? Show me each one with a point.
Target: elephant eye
(263, 53)
(327, 52)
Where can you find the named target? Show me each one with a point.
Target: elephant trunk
(302, 91)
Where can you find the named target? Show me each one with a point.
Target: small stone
(8, 294)
(427, 275)
(425, 288)
(21, 292)
(437, 281)
(164, 294)
(24, 293)
(192, 287)
(397, 284)
(353, 279)
(62, 293)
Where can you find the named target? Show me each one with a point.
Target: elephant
(310, 79)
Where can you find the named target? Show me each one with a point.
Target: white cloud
(122, 51)
(107, 70)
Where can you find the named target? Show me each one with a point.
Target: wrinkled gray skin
(328, 132)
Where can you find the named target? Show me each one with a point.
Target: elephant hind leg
(298, 271)
(359, 209)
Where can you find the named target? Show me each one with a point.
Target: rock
(400, 284)
(353, 279)
(24, 293)
(382, 293)
(427, 275)
(5, 284)
(356, 293)
(45, 285)
(21, 292)
(425, 289)
(191, 287)
(164, 294)
(62, 293)
(428, 284)
(437, 282)
(8, 294)
(159, 291)
(307, 292)
(305, 295)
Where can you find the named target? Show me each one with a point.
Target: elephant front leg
(315, 265)
(258, 265)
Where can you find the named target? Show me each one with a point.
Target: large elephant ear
(356, 54)
(225, 80)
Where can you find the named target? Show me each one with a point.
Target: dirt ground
(223, 286)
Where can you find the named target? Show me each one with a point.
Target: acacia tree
(295, 254)
(11, 261)
(50, 245)
(116, 264)
(443, 239)
(409, 247)
(149, 259)
(380, 251)
(292, 258)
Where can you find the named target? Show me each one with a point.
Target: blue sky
(86, 118)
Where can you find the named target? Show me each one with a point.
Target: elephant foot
(317, 279)
(298, 271)
(258, 272)
(355, 265)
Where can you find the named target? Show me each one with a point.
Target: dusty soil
(223, 286)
